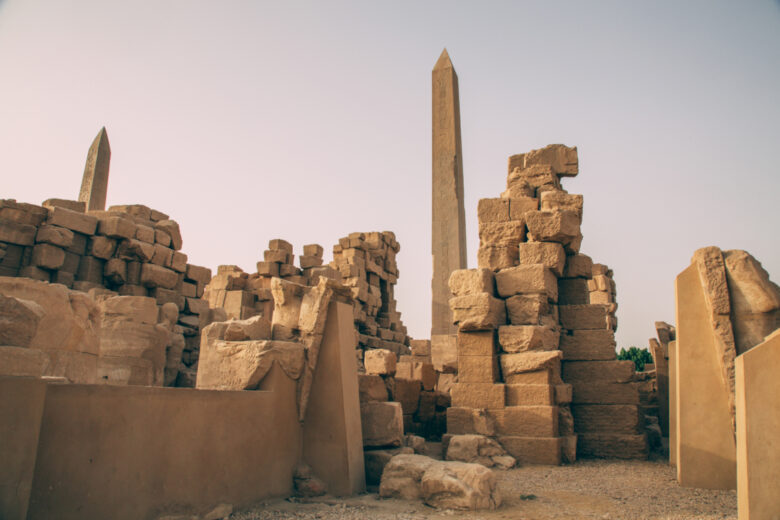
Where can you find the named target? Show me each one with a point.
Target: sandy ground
(587, 489)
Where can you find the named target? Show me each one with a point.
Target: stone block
(578, 266)
(178, 262)
(464, 421)
(553, 226)
(47, 256)
(549, 254)
(609, 418)
(549, 376)
(407, 392)
(527, 421)
(518, 190)
(139, 211)
(201, 275)
(601, 371)
(91, 270)
(471, 281)
(519, 206)
(63, 277)
(597, 392)
(493, 210)
(314, 250)
(476, 343)
(22, 361)
(129, 309)
(478, 395)
(162, 238)
(495, 258)
(172, 229)
(19, 234)
(278, 244)
(379, 362)
(560, 158)
(101, 247)
(478, 369)
(76, 367)
(125, 371)
(73, 205)
(135, 250)
(527, 309)
(534, 177)
(522, 338)
(477, 312)
(584, 317)
(574, 291)
(533, 450)
(420, 347)
(559, 200)
(563, 394)
(612, 445)
(530, 395)
(116, 226)
(382, 423)
(115, 272)
(162, 256)
(527, 279)
(55, 235)
(501, 234)
(156, 276)
(371, 388)
(512, 364)
(145, 234)
(588, 345)
(75, 221)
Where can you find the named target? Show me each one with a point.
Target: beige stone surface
(478, 369)
(578, 266)
(444, 353)
(125, 371)
(382, 423)
(482, 343)
(527, 279)
(588, 345)
(242, 365)
(558, 200)
(758, 421)
(561, 158)
(21, 361)
(530, 395)
(501, 234)
(519, 205)
(171, 228)
(598, 392)
(584, 317)
(18, 321)
(478, 312)
(612, 445)
(611, 418)
(129, 308)
(705, 445)
(75, 221)
(527, 309)
(156, 276)
(549, 254)
(371, 388)
(471, 281)
(478, 449)
(466, 420)
(379, 362)
(54, 235)
(512, 364)
(495, 258)
(533, 450)
(478, 395)
(448, 237)
(522, 338)
(493, 210)
(527, 421)
(601, 371)
(553, 226)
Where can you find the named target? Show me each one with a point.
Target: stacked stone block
(131, 250)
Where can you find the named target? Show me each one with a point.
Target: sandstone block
(416, 370)
(379, 362)
(14, 233)
(242, 365)
(533, 450)
(466, 420)
(501, 234)
(527, 279)
(561, 158)
(478, 369)
(178, 262)
(478, 449)
(162, 256)
(172, 229)
(199, 274)
(371, 388)
(579, 317)
(444, 353)
(115, 272)
(527, 421)
(136, 210)
(527, 309)
(549, 254)
(19, 320)
(535, 177)
(382, 423)
(478, 395)
(553, 226)
(519, 206)
(135, 250)
(522, 338)
(597, 392)
(63, 277)
(55, 235)
(156, 276)
(277, 244)
(574, 291)
(73, 205)
(125, 371)
(116, 227)
(162, 238)
(610, 418)
(495, 258)
(407, 392)
(129, 309)
(493, 210)
(145, 234)
(477, 312)
(420, 347)
(47, 256)
(476, 343)
(91, 270)
(530, 395)
(471, 281)
(313, 250)
(518, 190)
(21, 361)
(588, 345)
(521, 362)
(551, 376)
(559, 200)
(79, 222)
(612, 445)
(101, 247)
(578, 266)
(602, 371)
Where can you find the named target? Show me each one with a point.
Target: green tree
(640, 356)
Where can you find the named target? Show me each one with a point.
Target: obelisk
(449, 222)
(94, 184)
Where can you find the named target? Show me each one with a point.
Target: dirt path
(587, 489)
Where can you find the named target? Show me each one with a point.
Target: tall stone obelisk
(449, 221)
(94, 184)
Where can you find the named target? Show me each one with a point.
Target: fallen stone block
(171, 228)
(54, 235)
(553, 226)
(382, 423)
(376, 460)
(242, 365)
(559, 200)
(379, 362)
(527, 279)
(560, 158)
(75, 221)
(156, 276)
(578, 266)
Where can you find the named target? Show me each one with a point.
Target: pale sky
(252, 120)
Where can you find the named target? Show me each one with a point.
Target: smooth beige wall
(758, 424)
(673, 403)
(137, 452)
(21, 408)
(706, 447)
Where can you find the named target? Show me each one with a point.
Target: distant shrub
(640, 356)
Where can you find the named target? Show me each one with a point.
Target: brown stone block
(464, 421)
(527, 421)
(102, 247)
(477, 312)
(476, 343)
(115, 226)
(80, 222)
(530, 395)
(501, 234)
(612, 445)
(371, 388)
(602, 371)
(471, 281)
(519, 206)
(63, 277)
(47, 256)
(382, 423)
(563, 394)
(36, 273)
(145, 234)
(553, 226)
(162, 256)
(585, 345)
(420, 347)
(527, 279)
(533, 450)
(426, 410)
(73, 205)
(495, 258)
(561, 159)
(527, 309)
(19, 234)
(90, 270)
(493, 210)
(55, 235)
(611, 418)
(380, 361)
(478, 369)
(549, 254)
(162, 238)
(156, 276)
(172, 229)
(22, 361)
(135, 250)
(115, 272)
(518, 363)
(478, 395)
(579, 317)
(407, 392)
(596, 392)
(523, 338)
(537, 377)
(559, 200)
(578, 266)
(573, 291)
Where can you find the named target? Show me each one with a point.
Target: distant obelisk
(94, 184)
(449, 221)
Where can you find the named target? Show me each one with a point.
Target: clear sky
(252, 120)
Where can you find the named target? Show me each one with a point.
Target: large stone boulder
(478, 449)
(446, 485)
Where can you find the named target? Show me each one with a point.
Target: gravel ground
(588, 489)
